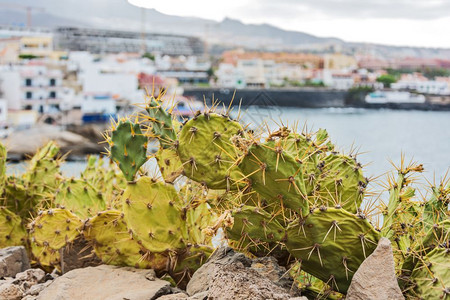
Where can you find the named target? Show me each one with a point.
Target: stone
(174, 296)
(31, 275)
(230, 275)
(375, 278)
(222, 256)
(106, 282)
(13, 260)
(10, 291)
(37, 288)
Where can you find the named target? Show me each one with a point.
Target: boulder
(375, 278)
(231, 275)
(13, 260)
(106, 282)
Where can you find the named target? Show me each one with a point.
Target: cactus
(161, 123)
(206, 150)
(128, 147)
(169, 164)
(113, 244)
(54, 228)
(154, 214)
(79, 197)
(331, 244)
(45, 256)
(12, 232)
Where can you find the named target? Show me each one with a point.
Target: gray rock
(31, 275)
(231, 275)
(375, 278)
(10, 291)
(13, 260)
(37, 288)
(221, 257)
(174, 296)
(106, 282)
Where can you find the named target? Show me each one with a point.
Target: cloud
(357, 9)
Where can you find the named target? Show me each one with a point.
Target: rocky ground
(227, 275)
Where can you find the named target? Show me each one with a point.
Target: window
(52, 95)
(28, 82)
(52, 82)
(29, 95)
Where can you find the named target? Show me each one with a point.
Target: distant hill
(119, 14)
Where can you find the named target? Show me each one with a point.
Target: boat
(382, 97)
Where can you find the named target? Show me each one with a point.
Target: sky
(423, 23)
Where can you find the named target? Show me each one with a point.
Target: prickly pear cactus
(128, 147)
(331, 244)
(12, 232)
(3, 154)
(54, 228)
(169, 164)
(113, 244)
(79, 197)
(45, 256)
(206, 150)
(154, 214)
(276, 176)
(162, 124)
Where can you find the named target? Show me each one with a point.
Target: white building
(423, 86)
(230, 76)
(339, 81)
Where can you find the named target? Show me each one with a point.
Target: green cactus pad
(153, 212)
(3, 155)
(55, 228)
(255, 230)
(19, 199)
(197, 219)
(276, 176)
(46, 256)
(112, 242)
(206, 150)
(169, 164)
(12, 232)
(161, 120)
(128, 148)
(431, 276)
(79, 197)
(340, 182)
(331, 244)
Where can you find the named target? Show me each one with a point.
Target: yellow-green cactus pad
(55, 228)
(154, 214)
(206, 150)
(169, 164)
(79, 197)
(12, 232)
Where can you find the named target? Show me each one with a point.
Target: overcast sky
(394, 22)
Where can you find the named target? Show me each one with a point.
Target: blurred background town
(65, 73)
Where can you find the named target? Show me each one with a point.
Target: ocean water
(380, 136)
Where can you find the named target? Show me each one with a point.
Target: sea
(381, 137)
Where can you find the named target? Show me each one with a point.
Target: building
(337, 61)
(116, 41)
(417, 82)
(230, 76)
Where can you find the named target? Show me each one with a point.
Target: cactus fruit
(113, 244)
(154, 214)
(331, 244)
(54, 228)
(276, 176)
(12, 232)
(79, 197)
(206, 150)
(128, 147)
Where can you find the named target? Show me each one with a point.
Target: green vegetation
(284, 193)
(387, 80)
(27, 56)
(149, 56)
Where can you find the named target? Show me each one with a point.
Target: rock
(231, 275)
(235, 281)
(31, 275)
(106, 282)
(375, 278)
(37, 288)
(13, 260)
(10, 291)
(174, 296)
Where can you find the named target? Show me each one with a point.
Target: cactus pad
(12, 232)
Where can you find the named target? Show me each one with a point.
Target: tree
(387, 80)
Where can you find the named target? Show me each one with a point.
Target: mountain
(229, 33)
